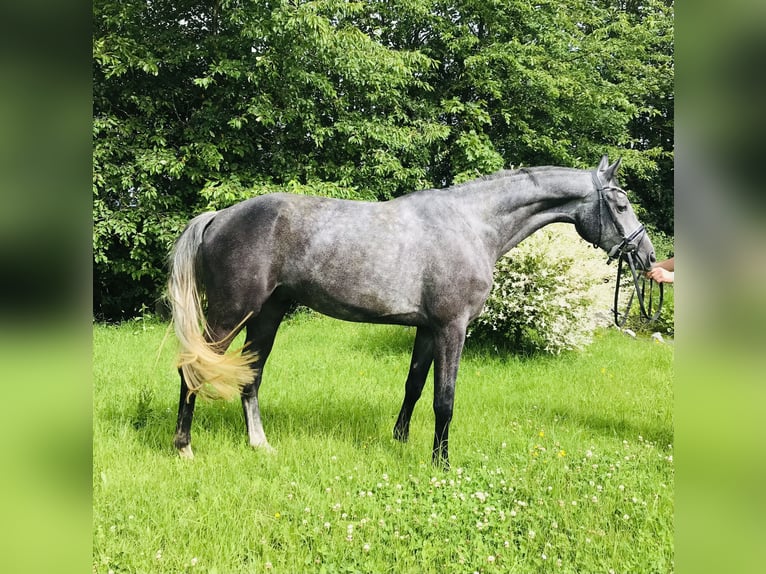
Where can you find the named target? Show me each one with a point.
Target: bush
(550, 293)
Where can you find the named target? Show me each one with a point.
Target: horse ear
(611, 171)
(603, 163)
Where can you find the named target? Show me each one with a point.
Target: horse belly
(357, 288)
(353, 302)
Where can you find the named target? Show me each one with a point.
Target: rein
(645, 300)
(624, 252)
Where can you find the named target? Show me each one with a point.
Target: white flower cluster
(550, 293)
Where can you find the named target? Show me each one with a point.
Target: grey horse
(424, 259)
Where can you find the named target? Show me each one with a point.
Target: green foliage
(200, 104)
(550, 294)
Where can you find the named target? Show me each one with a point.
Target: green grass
(559, 464)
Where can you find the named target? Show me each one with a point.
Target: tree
(198, 105)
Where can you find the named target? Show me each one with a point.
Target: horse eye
(622, 208)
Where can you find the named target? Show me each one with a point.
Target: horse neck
(515, 204)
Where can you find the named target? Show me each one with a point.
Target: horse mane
(529, 172)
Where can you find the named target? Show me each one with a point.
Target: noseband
(625, 252)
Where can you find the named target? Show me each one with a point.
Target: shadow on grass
(503, 350)
(358, 420)
(395, 340)
(360, 423)
(611, 426)
(386, 340)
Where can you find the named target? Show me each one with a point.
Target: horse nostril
(652, 258)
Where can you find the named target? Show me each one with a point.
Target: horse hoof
(402, 437)
(186, 452)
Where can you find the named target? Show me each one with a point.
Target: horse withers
(424, 260)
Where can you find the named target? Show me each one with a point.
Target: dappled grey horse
(425, 259)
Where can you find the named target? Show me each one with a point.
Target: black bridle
(625, 252)
(629, 241)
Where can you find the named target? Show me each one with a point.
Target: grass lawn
(559, 464)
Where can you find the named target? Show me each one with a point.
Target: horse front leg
(422, 358)
(448, 347)
(182, 440)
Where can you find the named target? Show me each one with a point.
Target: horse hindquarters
(203, 366)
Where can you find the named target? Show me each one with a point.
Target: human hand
(661, 275)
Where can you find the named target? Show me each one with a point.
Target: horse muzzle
(638, 245)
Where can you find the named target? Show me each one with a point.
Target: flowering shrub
(549, 295)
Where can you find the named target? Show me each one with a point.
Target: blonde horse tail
(207, 372)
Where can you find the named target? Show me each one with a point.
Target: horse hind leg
(187, 399)
(261, 332)
(182, 440)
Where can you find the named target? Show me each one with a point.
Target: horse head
(607, 219)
